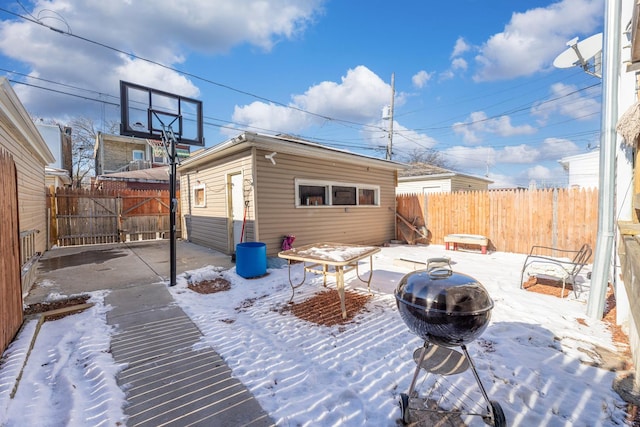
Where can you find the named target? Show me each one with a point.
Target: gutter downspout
(606, 196)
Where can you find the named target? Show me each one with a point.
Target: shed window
(312, 195)
(318, 193)
(199, 196)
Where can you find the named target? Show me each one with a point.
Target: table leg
(340, 286)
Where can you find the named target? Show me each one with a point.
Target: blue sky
(474, 79)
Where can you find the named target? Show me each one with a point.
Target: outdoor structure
(156, 178)
(118, 153)
(627, 181)
(583, 169)
(59, 172)
(21, 139)
(261, 188)
(422, 178)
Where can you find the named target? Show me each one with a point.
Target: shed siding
(278, 216)
(209, 226)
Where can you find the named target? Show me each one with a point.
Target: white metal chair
(565, 268)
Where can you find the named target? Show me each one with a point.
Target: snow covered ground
(533, 359)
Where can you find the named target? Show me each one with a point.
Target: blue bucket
(251, 259)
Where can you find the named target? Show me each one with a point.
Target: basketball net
(158, 148)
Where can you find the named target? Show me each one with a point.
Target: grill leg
(417, 371)
(475, 374)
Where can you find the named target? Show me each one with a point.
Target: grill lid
(443, 291)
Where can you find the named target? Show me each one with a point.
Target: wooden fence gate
(10, 286)
(87, 217)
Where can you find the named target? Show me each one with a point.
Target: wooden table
(319, 258)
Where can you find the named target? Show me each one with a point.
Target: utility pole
(393, 95)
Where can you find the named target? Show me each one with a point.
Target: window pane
(138, 155)
(312, 195)
(366, 197)
(343, 195)
(198, 197)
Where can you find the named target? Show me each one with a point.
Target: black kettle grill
(446, 309)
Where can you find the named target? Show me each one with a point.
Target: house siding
(20, 138)
(209, 226)
(424, 186)
(278, 215)
(464, 183)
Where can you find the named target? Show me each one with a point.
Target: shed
(423, 178)
(583, 169)
(257, 187)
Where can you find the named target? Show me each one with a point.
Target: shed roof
(285, 144)
(418, 171)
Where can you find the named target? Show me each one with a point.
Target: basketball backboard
(145, 111)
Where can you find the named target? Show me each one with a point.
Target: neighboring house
(260, 188)
(59, 172)
(20, 138)
(117, 153)
(583, 169)
(156, 178)
(422, 178)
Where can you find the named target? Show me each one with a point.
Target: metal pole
(173, 208)
(607, 184)
(393, 95)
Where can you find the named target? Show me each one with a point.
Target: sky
(472, 80)
(535, 357)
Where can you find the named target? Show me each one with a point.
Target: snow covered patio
(540, 357)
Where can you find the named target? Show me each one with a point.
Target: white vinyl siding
(209, 226)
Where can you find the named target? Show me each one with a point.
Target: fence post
(554, 220)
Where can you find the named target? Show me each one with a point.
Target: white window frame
(139, 153)
(328, 185)
(196, 188)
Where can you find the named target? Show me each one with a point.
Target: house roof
(285, 144)
(160, 174)
(14, 116)
(420, 171)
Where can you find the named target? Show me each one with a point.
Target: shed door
(237, 209)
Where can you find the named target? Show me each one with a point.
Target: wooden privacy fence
(82, 217)
(513, 220)
(10, 283)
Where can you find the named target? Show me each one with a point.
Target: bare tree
(83, 137)
(428, 156)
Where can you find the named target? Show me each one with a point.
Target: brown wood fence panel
(513, 220)
(10, 286)
(81, 217)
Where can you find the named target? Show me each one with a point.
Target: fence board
(10, 285)
(513, 220)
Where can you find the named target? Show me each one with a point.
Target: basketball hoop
(158, 148)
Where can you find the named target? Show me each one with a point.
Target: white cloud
(165, 31)
(459, 64)
(421, 78)
(568, 101)
(460, 47)
(359, 97)
(532, 39)
(479, 124)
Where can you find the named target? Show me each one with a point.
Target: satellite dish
(586, 54)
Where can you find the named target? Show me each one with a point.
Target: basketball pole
(169, 141)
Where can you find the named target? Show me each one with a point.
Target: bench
(466, 239)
